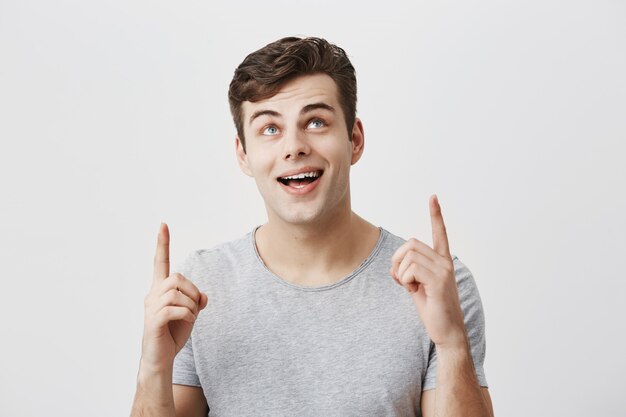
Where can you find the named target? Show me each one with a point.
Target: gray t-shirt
(266, 347)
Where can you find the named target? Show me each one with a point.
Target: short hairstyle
(263, 72)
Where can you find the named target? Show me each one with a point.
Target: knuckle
(170, 296)
(195, 293)
(178, 279)
(161, 259)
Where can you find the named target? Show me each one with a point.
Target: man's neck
(316, 254)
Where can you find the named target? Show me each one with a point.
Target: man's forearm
(154, 396)
(458, 391)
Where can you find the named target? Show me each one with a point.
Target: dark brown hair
(263, 72)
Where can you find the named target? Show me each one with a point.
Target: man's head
(264, 72)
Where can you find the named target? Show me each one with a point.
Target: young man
(316, 312)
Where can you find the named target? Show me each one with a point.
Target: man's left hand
(428, 274)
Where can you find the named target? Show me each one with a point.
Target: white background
(114, 117)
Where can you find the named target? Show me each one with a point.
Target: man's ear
(242, 157)
(358, 141)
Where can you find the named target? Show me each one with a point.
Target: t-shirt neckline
(363, 265)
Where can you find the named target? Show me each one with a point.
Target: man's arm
(458, 392)
(428, 401)
(431, 276)
(190, 401)
(154, 397)
(170, 311)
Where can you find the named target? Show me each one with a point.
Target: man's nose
(295, 145)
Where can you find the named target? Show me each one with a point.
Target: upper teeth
(302, 175)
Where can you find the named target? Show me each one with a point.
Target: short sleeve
(474, 318)
(184, 371)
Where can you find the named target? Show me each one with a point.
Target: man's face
(300, 129)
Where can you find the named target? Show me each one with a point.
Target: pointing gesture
(440, 237)
(428, 274)
(170, 309)
(162, 256)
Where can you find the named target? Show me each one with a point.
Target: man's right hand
(170, 310)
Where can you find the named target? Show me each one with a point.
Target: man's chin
(300, 219)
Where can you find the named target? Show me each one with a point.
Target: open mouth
(301, 180)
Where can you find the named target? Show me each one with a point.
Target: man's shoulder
(236, 244)
(392, 238)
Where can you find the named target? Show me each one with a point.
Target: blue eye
(270, 130)
(320, 123)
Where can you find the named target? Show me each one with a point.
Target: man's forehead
(296, 94)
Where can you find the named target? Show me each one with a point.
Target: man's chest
(311, 357)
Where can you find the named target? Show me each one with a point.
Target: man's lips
(299, 187)
(300, 181)
(302, 170)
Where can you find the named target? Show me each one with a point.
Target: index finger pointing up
(162, 256)
(440, 236)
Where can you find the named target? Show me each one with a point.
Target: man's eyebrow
(262, 113)
(315, 106)
(306, 109)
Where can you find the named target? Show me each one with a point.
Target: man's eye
(270, 130)
(316, 123)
